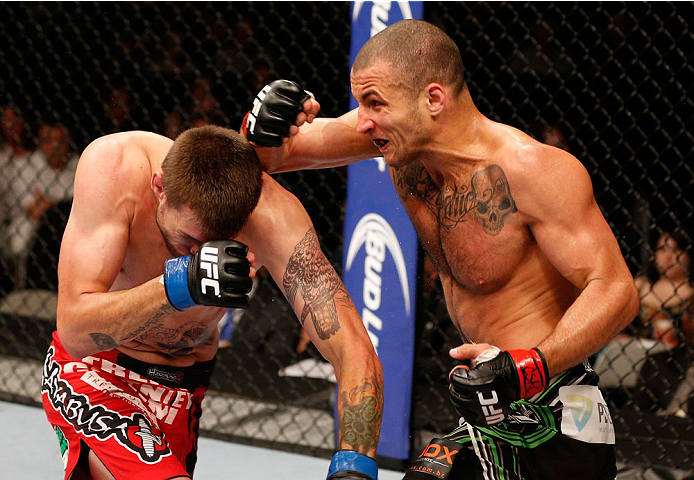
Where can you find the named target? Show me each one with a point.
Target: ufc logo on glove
(209, 264)
(491, 414)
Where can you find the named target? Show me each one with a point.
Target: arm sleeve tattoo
(310, 275)
(361, 413)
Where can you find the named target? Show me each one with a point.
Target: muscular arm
(555, 195)
(89, 317)
(325, 143)
(283, 239)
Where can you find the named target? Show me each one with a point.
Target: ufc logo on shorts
(491, 412)
(209, 263)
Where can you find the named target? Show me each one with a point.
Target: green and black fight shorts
(563, 432)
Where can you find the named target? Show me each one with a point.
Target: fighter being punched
(530, 268)
(155, 250)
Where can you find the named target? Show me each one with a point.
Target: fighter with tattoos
(530, 268)
(162, 238)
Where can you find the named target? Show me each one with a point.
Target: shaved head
(418, 52)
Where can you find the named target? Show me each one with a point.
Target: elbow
(632, 302)
(634, 299)
(362, 358)
(71, 340)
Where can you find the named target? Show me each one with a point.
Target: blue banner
(380, 256)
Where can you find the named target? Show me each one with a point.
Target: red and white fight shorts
(140, 419)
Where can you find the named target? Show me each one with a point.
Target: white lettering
(209, 265)
(160, 410)
(493, 400)
(209, 254)
(73, 367)
(490, 409)
(155, 393)
(171, 416)
(110, 367)
(208, 282)
(377, 237)
(379, 16)
(180, 397)
(371, 320)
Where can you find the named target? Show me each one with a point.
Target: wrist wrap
(353, 461)
(533, 373)
(176, 283)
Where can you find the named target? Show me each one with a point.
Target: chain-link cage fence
(609, 82)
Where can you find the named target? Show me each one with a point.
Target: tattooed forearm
(180, 340)
(309, 273)
(166, 310)
(103, 341)
(361, 413)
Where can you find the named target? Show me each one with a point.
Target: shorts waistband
(189, 378)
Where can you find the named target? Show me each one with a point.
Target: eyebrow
(189, 237)
(368, 93)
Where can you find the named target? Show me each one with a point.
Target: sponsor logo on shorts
(436, 459)
(155, 374)
(134, 432)
(581, 410)
(585, 415)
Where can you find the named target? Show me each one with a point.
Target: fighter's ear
(158, 186)
(436, 98)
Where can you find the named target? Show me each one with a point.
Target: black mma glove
(350, 465)
(216, 275)
(274, 110)
(483, 394)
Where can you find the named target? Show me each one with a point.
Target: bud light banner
(380, 255)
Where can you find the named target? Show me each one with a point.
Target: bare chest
(471, 229)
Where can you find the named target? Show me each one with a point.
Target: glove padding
(216, 275)
(350, 465)
(274, 110)
(482, 394)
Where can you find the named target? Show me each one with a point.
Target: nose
(364, 123)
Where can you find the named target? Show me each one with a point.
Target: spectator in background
(667, 296)
(552, 135)
(43, 180)
(13, 154)
(666, 383)
(205, 108)
(174, 125)
(202, 109)
(119, 110)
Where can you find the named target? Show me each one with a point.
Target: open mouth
(380, 143)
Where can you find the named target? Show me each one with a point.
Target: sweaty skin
(113, 255)
(525, 257)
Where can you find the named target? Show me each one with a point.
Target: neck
(462, 136)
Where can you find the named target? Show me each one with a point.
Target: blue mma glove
(216, 275)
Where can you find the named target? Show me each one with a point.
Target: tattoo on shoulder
(414, 180)
(310, 274)
(103, 341)
(362, 410)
